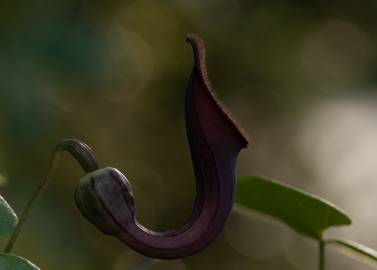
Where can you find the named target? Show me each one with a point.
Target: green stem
(81, 152)
(322, 255)
(33, 200)
(144, 264)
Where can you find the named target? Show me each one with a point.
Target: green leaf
(303, 212)
(12, 262)
(357, 249)
(8, 218)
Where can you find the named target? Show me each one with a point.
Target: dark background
(299, 75)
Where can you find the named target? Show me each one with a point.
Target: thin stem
(322, 254)
(33, 200)
(81, 152)
(144, 264)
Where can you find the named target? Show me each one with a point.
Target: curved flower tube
(105, 196)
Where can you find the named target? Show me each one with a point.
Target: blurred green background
(299, 75)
